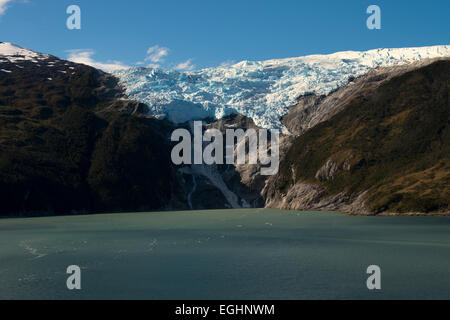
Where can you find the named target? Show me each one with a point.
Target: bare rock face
(328, 171)
(299, 116)
(300, 197)
(306, 196)
(228, 186)
(343, 161)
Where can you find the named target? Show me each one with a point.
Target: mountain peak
(14, 53)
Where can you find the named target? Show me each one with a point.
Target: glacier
(261, 90)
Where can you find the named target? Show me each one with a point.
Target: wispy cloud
(185, 66)
(155, 57)
(84, 56)
(156, 54)
(4, 4)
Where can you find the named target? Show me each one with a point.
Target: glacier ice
(261, 90)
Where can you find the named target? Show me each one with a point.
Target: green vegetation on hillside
(394, 142)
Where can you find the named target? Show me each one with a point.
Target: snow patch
(13, 53)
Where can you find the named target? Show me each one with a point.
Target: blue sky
(204, 33)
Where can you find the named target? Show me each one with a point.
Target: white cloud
(4, 6)
(185, 66)
(84, 56)
(155, 58)
(156, 54)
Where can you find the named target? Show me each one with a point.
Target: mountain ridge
(261, 90)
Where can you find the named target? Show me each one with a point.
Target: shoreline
(80, 214)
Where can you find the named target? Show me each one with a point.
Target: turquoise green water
(231, 254)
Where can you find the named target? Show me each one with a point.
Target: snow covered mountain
(12, 53)
(261, 90)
